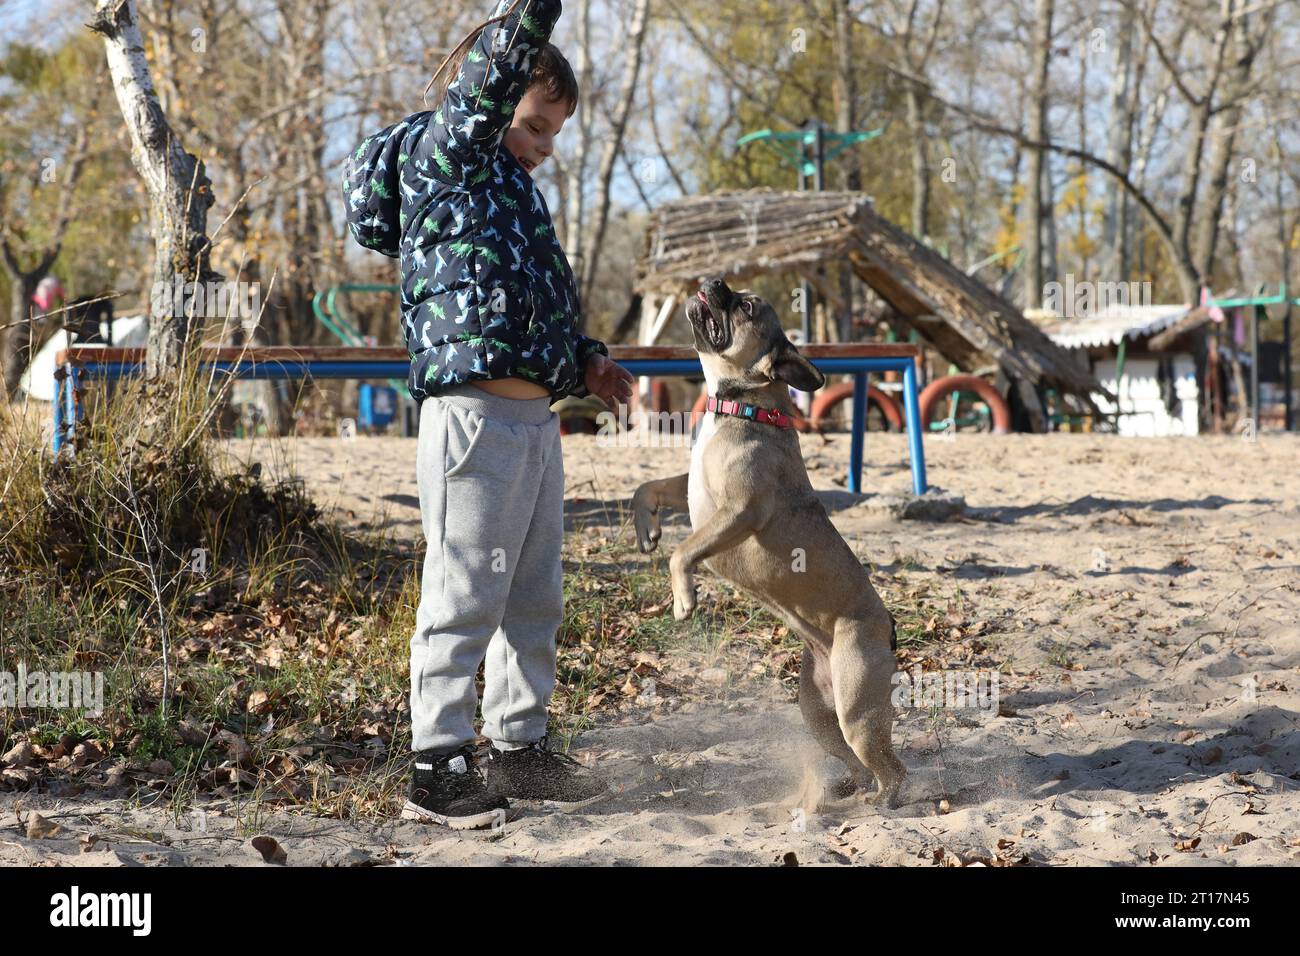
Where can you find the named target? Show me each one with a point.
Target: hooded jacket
(486, 290)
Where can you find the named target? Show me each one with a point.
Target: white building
(1157, 389)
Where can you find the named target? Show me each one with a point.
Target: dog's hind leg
(817, 704)
(649, 500)
(862, 665)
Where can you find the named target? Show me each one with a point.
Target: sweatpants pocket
(465, 433)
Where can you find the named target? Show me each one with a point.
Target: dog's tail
(893, 634)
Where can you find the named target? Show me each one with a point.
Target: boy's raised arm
(468, 125)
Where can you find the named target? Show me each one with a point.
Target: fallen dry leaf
(270, 849)
(87, 753)
(19, 757)
(38, 828)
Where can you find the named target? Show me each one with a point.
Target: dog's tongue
(702, 297)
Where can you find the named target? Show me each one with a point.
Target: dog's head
(739, 337)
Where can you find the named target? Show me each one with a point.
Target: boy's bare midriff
(511, 387)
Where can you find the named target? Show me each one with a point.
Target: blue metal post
(856, 435)
(58, 412)
(71, 411)
(915, 428)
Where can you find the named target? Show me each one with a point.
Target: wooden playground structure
(742, 233)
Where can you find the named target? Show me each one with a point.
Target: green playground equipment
(329, 313)
(815, 136)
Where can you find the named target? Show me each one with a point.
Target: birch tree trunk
(179, 190)
(846, 118)
(1202, 109)
(577, 170)
(1114, 265)
(920, 165)
(1034, 205)
(915, 56)
(1222, 142)
(614, 141)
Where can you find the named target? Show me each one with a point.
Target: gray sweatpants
(491, 482)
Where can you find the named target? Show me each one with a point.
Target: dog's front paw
(647, 530)
(683, 602)
(645, 519)
(683, 592)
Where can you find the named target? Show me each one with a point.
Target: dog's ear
(796, 371)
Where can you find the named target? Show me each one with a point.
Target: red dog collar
(769, 416)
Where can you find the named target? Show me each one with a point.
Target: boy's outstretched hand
(607, 380)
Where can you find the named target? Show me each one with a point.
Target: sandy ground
(1146, 601)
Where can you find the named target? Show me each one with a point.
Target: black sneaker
(449, 790)
(538, 775)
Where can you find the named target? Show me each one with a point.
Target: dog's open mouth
(713, 330)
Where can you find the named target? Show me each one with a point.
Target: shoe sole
(476, 821)
(563, 806)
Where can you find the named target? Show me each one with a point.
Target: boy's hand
(607, 380)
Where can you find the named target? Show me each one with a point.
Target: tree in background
(47, 127)
(180, 192)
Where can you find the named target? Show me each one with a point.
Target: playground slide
(330, 315)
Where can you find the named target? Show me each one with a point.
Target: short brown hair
(550, 68)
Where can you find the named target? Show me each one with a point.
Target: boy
(488, 314)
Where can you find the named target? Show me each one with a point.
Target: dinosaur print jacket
(486, 290)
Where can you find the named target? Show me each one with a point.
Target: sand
(1144, 597)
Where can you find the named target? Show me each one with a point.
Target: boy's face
(537, 121)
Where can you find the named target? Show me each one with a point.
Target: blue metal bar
(914, 428)
(58, 412)
(858, 367)
(374, 368)
(855, 436)
(271, 370)
(896, 363)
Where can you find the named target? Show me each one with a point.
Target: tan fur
(754, 516)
